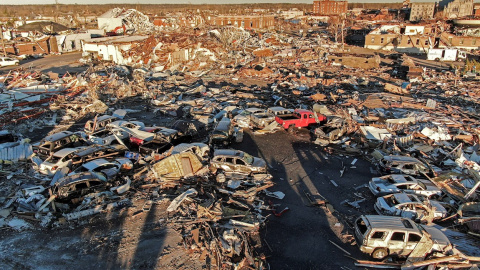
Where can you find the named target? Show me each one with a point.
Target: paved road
(55, 63)
(299, 239)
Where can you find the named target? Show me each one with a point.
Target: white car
(396, 183)
(7, 61)
(57, 161)
(243, 118)
(410, 206)
(109, 168)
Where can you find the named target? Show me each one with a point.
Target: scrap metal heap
(134, 20)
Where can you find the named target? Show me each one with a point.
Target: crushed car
(109, 168)
(98, 124)
(402, 165)
(224, 132)
(229, 160)
(381, 236)
(417, 208)
(395, 183)
(60, 159)
(55, 142)
(76, 186)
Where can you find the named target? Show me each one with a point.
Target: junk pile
(134, 21)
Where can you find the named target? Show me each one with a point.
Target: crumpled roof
(44, 27)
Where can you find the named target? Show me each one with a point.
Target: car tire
(291, 129)
(379, 253)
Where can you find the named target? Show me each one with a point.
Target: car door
(409, 169)
(304, 121)
(95, 185)
(412, 241)
(377, 239)
(241, 166)
(229, 164)
(396, 245)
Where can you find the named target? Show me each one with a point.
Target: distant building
(45, 45)
(292, 13)
(111, 48)
(246, 22)
(328, 7)
(448, 40)
(73, 42)
(476, 10)
(457, 8)
(407, 39)
(422, 11)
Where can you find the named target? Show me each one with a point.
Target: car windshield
(248, 158)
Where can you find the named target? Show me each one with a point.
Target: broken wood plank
(348, 253)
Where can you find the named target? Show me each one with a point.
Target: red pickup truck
(299, 118)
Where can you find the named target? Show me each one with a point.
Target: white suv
(7, 61)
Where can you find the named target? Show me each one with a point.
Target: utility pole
(343, 36)
(57, 7)
(3, 41)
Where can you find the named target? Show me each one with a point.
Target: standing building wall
(458, 9)
(327, 7)
(247, 22)
(422, 11)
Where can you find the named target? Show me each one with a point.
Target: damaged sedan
(109, 168)
(395, 183)
(78, 185)
(417, 208)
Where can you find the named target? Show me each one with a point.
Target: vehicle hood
(258, 162)
(438, 237)
(384, 186)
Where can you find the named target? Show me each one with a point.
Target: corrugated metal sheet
(16, 153)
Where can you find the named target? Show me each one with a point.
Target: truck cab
(299, 118)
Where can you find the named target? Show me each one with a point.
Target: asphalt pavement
(300, 237)
(55, 63)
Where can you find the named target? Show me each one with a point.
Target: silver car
(411, 206)
(381, 236)
(396, 183)
(109, 168)
(60, 159)
(8, 61)
(229, 160)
